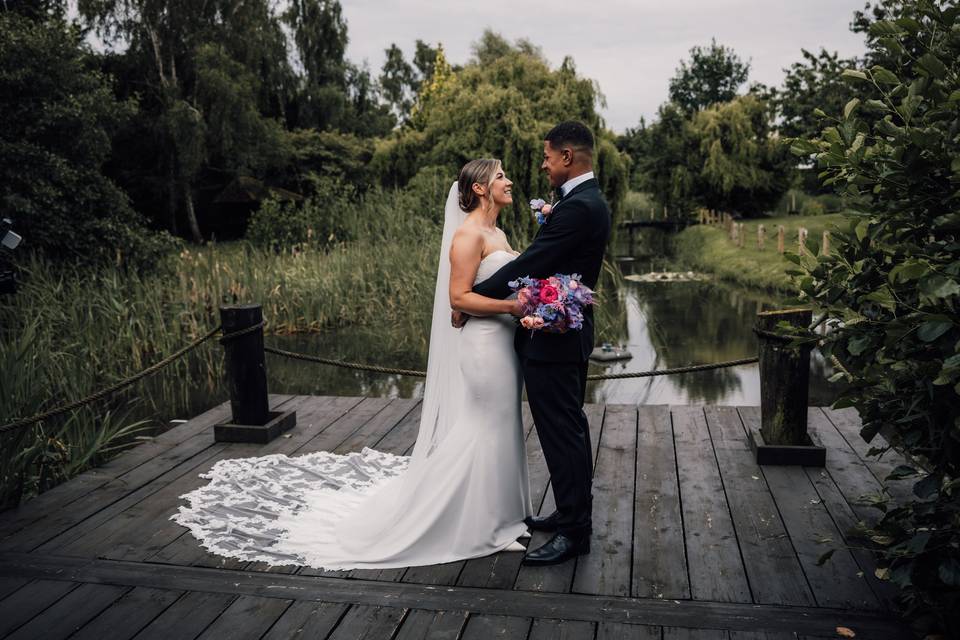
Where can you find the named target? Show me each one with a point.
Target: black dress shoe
(543, 523)
(559, 548)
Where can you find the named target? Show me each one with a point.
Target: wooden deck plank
(9, 585)
(70, 612)
(659, 557)
(68, 493)
(432, 625)
(840, 582)
(853, 477)
(551, 629)
(187, 617)
(761, 635)
(368, 623)
(848, 424)
(713, 557)
(622, 631)
(128, 615)
(773, 567)
(606, 569)
(305, 619)
(145, 527)
(31, 600)
(684, 633)
(655, 612)
(247, 618)
(559, 578)
(491, 627)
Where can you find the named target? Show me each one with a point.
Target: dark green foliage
(894, 282)
(810, 87)
(713, 75)
(58, 115)
(724, 157)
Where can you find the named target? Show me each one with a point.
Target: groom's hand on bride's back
(458, 319)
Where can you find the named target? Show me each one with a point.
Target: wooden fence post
(802, 241)
(825, 244)
(740, 234)
(246, 374)
(781, 236)
(784, 384)
(761, 236)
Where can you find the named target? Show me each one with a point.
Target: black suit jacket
(572, 240)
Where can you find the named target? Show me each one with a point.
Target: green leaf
(876, 105)
(853, 73)
(885, 28)
(938, 286)
(892, 45)
(931, 330)
(909, 24)
(857, 345)
(850, 106)
(933, 64)
(954, 96)
(820, 113)
(949, 572)
(926, 487)
(861, 230)
(883, 76)
(902, 471)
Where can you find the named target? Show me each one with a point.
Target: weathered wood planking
(686, 517)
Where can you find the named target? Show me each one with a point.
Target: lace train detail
(247, 508)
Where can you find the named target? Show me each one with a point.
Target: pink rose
(537, 322)
(546, 209)
(527, 322)
(549, 294)
(573, 284)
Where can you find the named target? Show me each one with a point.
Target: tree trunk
(191, 215)
(171, 197)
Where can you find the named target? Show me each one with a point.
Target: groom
(572, 240)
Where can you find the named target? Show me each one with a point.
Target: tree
(810, 87)
(58, 115)
(398, 82)
(713, 75)
(891, 285)
(424, 58)
(501, 109)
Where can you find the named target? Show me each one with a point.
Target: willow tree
(501, 108)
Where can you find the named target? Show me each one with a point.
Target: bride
(463, 493)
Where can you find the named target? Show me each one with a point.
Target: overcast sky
(631, 47)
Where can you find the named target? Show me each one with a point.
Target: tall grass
(66, 334)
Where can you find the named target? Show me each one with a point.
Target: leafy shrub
(893, 282)
(812, 207)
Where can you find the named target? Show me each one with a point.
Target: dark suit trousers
(556, 392)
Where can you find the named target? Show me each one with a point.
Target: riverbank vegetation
(708, 248)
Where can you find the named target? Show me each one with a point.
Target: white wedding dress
(463, 493)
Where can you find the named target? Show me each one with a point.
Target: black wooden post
(784, 385)
(246, 375)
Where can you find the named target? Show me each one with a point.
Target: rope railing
(356, 366)
(126, 382)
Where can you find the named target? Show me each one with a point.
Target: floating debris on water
(668, 276)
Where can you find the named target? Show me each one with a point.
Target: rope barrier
(357, 366)
(76, 404)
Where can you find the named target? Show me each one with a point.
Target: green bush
(812, 207)
(892, 284)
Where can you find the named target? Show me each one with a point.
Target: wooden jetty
(692, 540)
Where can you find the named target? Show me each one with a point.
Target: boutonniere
(541, 209)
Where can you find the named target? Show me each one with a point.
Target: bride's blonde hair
(482, 171)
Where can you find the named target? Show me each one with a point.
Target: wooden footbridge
(693, 540)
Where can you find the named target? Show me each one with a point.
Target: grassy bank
(709, 249)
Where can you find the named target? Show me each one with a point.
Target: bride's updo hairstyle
(482, 171)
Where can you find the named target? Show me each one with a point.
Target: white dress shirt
(568, 186)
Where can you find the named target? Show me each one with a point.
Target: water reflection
(666, 325)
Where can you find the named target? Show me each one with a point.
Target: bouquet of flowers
(554, 305)
(541, 209)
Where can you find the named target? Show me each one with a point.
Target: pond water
(662, 324)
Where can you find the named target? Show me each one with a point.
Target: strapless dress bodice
(491, 263)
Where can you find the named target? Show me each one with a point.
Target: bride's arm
(466, 251)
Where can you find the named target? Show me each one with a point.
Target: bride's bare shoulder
(467, 238)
